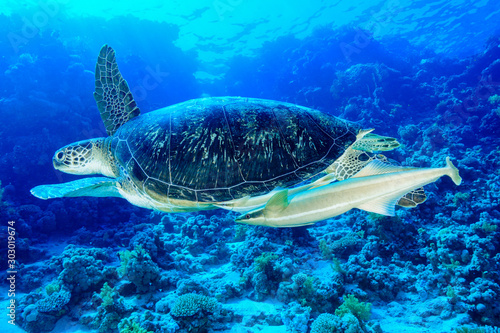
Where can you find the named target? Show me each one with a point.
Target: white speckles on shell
(226, 148)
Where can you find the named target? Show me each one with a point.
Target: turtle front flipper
(112, 94)
(86, 187)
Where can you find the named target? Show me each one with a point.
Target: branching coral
(138, 267)
(351, 304)
(108, 295)
(110, 312)
(191, 304)
(265, 261)
(130, 326)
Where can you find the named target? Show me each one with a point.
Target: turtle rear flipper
(413, 198)
(86, 187)
(353, 161)
(373, 142)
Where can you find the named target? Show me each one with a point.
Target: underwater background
(424, 72)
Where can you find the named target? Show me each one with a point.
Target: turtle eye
(60, 155)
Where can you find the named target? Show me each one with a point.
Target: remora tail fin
(453, 172)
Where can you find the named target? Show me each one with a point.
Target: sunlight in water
(231, 27)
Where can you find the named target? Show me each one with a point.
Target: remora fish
(249, 203)
(376, 188)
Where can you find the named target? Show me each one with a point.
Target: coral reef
(435, 267)
(189, 305)
(138, 268)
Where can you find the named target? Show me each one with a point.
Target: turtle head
(85, 158)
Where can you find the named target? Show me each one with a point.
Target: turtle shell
(219, 149)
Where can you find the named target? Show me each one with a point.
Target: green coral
(488, 227)
(110, 312)
(360, 310)
(108, 295)
(494, 99)
(190, 304)
(265, 261)
(336, 266)
(125, 257)
(130, 326)
(139, 268)
(468, 330)
(460, 197)
(52, 288)
(453, 265)
(307, 291)
(451, 294)
(325, 249)
(305, 287)
(352, 239)
(485, 329)
(241, 232)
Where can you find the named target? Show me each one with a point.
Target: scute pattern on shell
(218, 149)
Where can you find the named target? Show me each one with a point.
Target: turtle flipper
(86, 187)
(112, 94)
(413, 198)
(373, 142)
(351, 162)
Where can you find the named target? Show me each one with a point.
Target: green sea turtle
(203, 153)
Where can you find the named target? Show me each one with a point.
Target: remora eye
(60, 155)
(247, 216)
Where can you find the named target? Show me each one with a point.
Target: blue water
(424, 72)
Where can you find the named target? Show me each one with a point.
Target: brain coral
(82, 272)
(325, 323)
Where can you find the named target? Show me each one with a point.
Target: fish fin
(325, 180)
(453, 172)
(377, 167)
(277, 202)
(383, 205)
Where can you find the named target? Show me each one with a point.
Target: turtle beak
(56, 163)
(58, 159)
